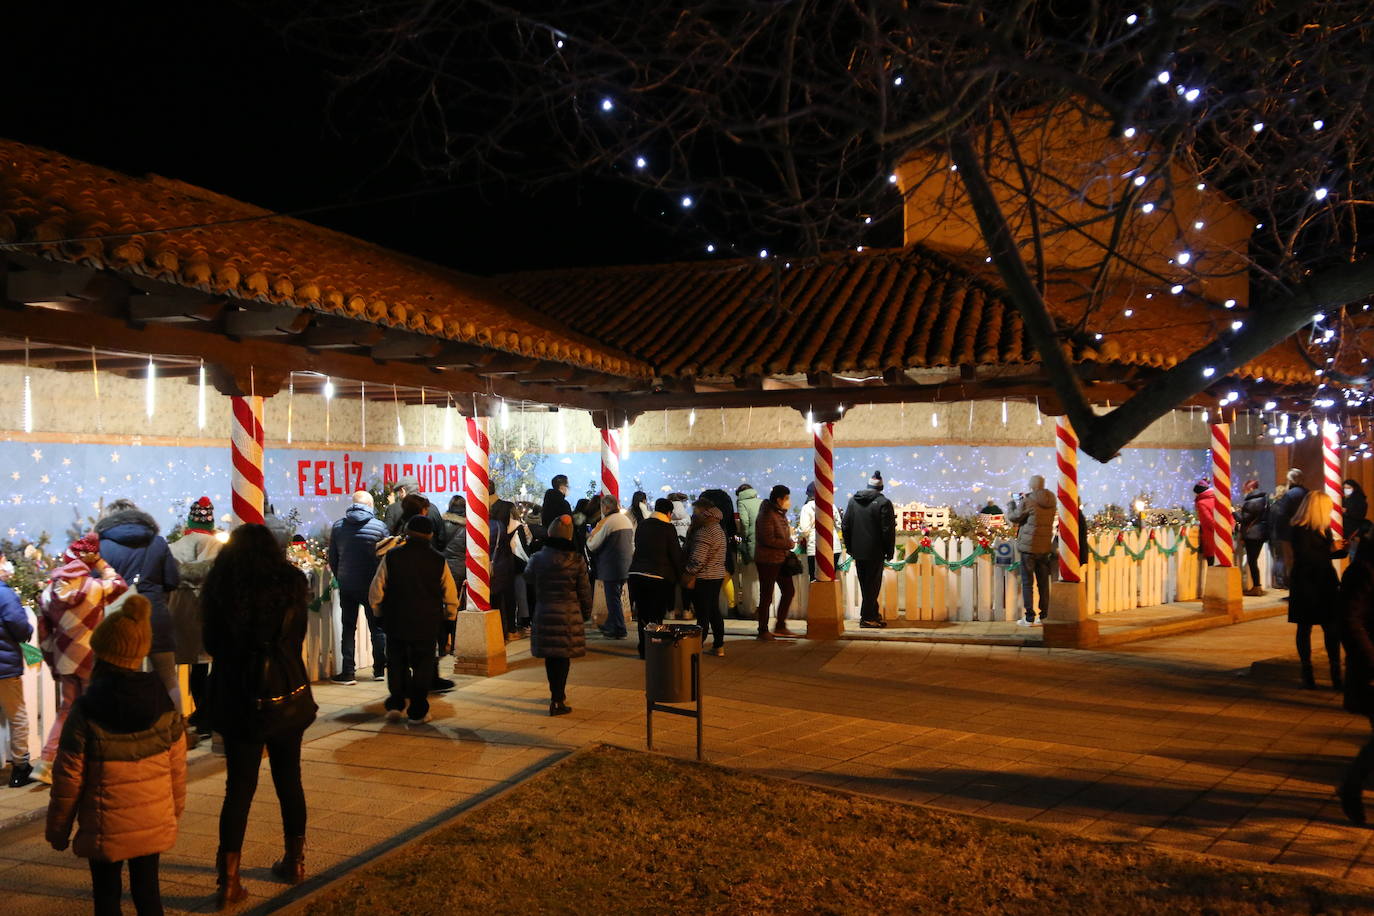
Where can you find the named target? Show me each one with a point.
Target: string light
(1237, 325)
(641, 162)
(1128, 133)
(28, 390)
(1184, 257)
(1129, 312)
(897, 81)
(1318, 124)
(290, 404)
(1229, 303)
(1191, 95)
(687, 202)
(1208, 372)
(1138, 181)
(1131, 19)
(710, 249)
(892, 179)
(1163, 77)
(1176, 288)
(150, 389)
(1320, 193)
(763, 252)
(1257, 126)
(1147, 208)
(1197, 225)
(607, 104)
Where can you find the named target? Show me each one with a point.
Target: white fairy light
(1184, 257)
(868, 220)
(710, 249)
(1138, 181)
(1149, 295)
(1318, 124)
(1229, 303)
(1270, 405)
(1176, 288)
(897, 81)
(1128, 133)
(1163, 77)
(641, 162)
(1206, 416)
(607, 104)
(1129, 312)
(892, 179)
(1320, 193)
(1191, 95)
(687, 201)
(200, 398)
(150, 389)
(1131, 19)
(1147, 208)
(1198, 224)
(1202, 185)
(1208, 372)
(763, 252)
(1097, 337)
(953, 167)
(1237, 325)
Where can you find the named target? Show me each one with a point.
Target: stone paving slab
(1165, 742)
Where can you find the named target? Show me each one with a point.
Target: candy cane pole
(245, 438)
(825, 502)
(1070, 541)
(1223, 520)
(477, 488)
(610, 463)
(1331, 471)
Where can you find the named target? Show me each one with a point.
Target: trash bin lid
(672, 631)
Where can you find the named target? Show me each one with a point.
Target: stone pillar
(825, 602)
(1222, 588)
(480, 642)
(1069, 623)
(246, 438)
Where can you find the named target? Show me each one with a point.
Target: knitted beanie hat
(876, 481)
(125, 637)
(561, 528)
(202, 516)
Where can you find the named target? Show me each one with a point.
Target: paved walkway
(1164, 742)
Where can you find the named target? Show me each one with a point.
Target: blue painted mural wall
(49, 487)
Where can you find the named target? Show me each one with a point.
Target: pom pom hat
(202, 515)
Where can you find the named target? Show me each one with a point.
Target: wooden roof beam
(254, 323)
(400, 345)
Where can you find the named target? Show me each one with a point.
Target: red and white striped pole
(477, 490)
(1223, 519)
(1331, 472)
(245, 437)
(610, 463)
(1070, 538)
(825, 502)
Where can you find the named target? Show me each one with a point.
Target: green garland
(318, 603)
(980, 551)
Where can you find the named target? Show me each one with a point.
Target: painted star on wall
(37, 455)
(114, 456)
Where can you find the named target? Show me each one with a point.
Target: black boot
(1309, 680)
(21, 775)
(1336, 682)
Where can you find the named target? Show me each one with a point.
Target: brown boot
(291, 867)
(230, 890)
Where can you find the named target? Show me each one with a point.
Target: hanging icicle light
(692, 418)
(810, 423)
(28, 391)
(150, 389)
(1004, 411)
(362, 412)
(290, 402)
(200, 404)
(935, 418)
(400, 430)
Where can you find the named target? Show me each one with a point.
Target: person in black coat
(1355, 506)
(562, 601)
(1313, 587)
(656, 567)
(129, 541)
(502, 566)
(1253, 520)
(870, 537)
(555, 501)
(1281, 513)
(254, 596)
(1357, 607)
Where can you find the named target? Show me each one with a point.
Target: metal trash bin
(668, 652)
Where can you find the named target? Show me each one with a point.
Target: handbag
(791, 564)
(279, 688)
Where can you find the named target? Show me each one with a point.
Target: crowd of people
(124, 608)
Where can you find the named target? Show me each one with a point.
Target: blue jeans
(1035, 573)
(615, 611)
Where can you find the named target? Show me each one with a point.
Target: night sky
(214, 95)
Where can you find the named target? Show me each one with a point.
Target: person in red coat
(1205, 501)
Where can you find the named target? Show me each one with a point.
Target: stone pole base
(1221, 591)
(824, 611)
(1069, 625)
(479, 646)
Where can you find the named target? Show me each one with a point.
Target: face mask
(1349, 490)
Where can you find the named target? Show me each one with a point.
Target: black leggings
(706, 600)
(556, 670)
(1331, 636)
(199, 677)
(1362, 764)
(1252, 555)
(243, 761)
(107, 885)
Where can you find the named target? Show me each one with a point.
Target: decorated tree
(1062, 136)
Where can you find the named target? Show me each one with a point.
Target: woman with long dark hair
(255, 604)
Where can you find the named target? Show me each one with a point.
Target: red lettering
(357, 475)
(319, 478)
(333, 486)
(300, 476)
(440, 479)
(408, 470)
(455, 479)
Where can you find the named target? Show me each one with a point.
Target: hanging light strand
(150, 389)
(28, 391)
(200, 403)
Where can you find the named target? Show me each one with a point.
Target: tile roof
(858, 313)
(48, 197)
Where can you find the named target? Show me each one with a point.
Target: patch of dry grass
(616, 831)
